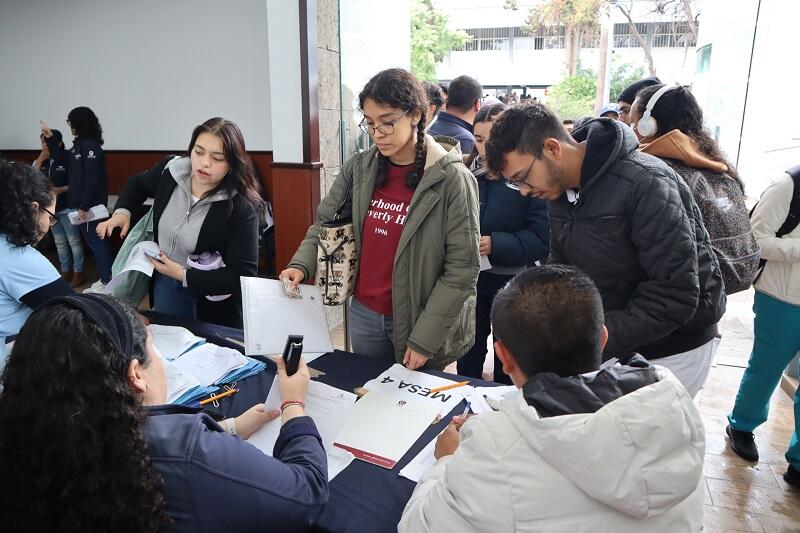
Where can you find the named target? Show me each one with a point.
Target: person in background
(435, 101)
(27, 278)
(514, 235)
(569, 125)
(205, 202)
(610, 111)
(575, 448)
(414, 208)
(443, 87)
(88, 444)
(628, 95)
(87, 181)
(776, 325)
(66, 235)
(463, 102)
(629, 222)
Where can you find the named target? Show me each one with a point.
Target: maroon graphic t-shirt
(380, 236)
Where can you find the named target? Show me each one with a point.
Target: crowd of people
(598, 252)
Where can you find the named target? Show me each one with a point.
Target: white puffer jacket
(635, 465)
(781, 276)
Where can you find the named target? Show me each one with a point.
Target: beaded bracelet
(287, 403)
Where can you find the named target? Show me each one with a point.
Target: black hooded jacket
(638, 233)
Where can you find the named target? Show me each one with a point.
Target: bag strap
(348, 193)
(793, 218)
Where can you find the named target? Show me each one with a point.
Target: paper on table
(381, 428)
(137, 260)
(485, 264)
(420, 464)
(172, 341)
(97, 212)
(403, 384)
(270, 316)
(179, 381)
(477, 397)
(328, 406)
(209, 362)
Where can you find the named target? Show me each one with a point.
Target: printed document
(172, 341)
(404, 384)
(209, 363)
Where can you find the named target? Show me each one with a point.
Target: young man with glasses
(628, 221)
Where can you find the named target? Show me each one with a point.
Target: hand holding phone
(154, 255)
(292, 353)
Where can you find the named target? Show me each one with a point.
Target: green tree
(431, 39)
(622, 75)
(573, 97)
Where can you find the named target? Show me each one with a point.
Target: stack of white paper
(270, 316)
(97, 212)
(172, 341)
(403, 384)
(209, 363)
(328, 406)
(179, 381)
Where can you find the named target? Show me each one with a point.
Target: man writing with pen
(619, 447)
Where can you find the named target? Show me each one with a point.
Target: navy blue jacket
(86, 172)
(517, 224)
(56, 170)
(216, 482)
(452, 126)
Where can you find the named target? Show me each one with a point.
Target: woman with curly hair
(414, 207)
(206, 202)
(87, 180)
(27, 278)
(88, 446)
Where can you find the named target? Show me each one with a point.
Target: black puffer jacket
(637, 232)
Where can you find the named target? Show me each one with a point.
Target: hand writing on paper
(295, 275)
(447, 443)
(119, 220)
(248, 422)
(486, 245)
(413, 360)
(167, 267)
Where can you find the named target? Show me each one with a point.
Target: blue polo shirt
(22, 270)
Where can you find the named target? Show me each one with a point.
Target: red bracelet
(287, 403)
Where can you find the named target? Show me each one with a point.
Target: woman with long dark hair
(206, 202)
(88, 446)
(27, 278)
(87, 180)
(414, 207)
(514, 235)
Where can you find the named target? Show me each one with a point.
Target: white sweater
(633, 466)
(781, 276)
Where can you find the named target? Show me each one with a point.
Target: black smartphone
(292, 353)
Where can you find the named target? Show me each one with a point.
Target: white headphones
(647, 125)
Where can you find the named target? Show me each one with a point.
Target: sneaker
(792, 477)
(98, 287)
(743, 444)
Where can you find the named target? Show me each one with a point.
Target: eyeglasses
(515, 184)
(386, 128)
(53, 218)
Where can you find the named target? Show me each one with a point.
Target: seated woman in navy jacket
(87, 445)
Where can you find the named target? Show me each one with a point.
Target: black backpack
(792, 219)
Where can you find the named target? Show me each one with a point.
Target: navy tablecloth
(364, 497)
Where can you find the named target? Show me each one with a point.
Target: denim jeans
(100, 249)
(371, 333)
(172, 298)
(68, 243)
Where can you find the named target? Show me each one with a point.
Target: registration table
(364, 497)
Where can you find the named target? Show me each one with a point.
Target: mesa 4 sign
(409, 385)
(411, 388)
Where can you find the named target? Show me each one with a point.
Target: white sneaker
(98, 287)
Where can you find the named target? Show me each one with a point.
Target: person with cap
(628, 95)
(610, 111)
(464, 96)
(88, 444)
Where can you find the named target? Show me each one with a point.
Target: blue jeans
(777, 339)
(172, 298)
(68, 243)
(371, 333)
(99, 247)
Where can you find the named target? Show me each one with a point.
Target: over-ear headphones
(647, 125)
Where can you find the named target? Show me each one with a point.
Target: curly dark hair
(486, 114)
(522, 128)
(401, 89)
(242, 176)
(84, 123)
(20, 186)
(73, 453)
(678, 109)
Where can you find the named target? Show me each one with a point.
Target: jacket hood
(607, 140)
(678, 145)
(180, 168)
(640, 454)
